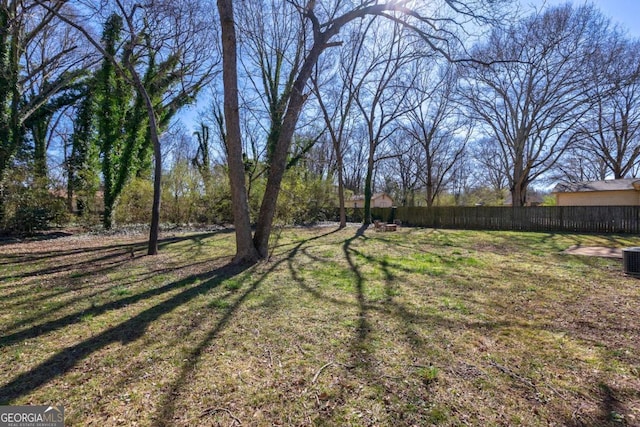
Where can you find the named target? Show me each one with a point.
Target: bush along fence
(588, 219)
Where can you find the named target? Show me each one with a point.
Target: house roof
(606, 185)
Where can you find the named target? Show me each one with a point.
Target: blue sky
(623, 12)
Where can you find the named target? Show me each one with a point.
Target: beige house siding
(599, 198)
(383, 201)
(377, 201)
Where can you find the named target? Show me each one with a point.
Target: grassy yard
(350, 327)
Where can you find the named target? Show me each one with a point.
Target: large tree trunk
(245, 249)
(519, 186)
(281, 150)
(518, 195)
(429, 186)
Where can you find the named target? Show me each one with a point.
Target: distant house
(378, 200)
(612, 192)
(533, 199)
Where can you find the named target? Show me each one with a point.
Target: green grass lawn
(417, 327)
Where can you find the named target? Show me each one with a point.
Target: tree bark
(343, 211)
(368, 189)
(519, 186)
(281, 150)
(157, 173)
(245, 249)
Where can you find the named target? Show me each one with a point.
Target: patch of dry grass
(349, 327)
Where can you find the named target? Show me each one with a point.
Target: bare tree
(380, 93)
(579, 164)
(325, 21)
(335, 91)
(492, 170)
(355, 158)
(436, 124)
(530, 103)
(611, 128)
(402, 171)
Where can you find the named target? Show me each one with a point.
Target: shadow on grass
(166, 415)
(114, 252)
(363, 327)
(363, 364)
(44, 328)
(36, 237)
(611, 411)
(168, 408)
(125, 332)
(91, 267)
(87, 285)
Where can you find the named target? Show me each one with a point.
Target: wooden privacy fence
(589, 219)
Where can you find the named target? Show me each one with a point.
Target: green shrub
(134, 206)
(29, 209)
(305, 198)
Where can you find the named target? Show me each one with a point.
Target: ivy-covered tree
(37, 67)
(11, 133)
(83, 164)
(113, 97)
(126, 145)
(39, 125)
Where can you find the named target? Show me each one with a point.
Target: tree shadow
(167, 407)
(126, 332)
(98, 260)
(95, 310)
(363, 327)
(367, 367)
(39, 236)
(61, 290)
(612, 412)
(113, 255)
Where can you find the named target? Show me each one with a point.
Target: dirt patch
(600, 251)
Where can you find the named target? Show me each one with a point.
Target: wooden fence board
(587, 219)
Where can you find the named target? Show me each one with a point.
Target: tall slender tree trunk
(2, 198)
(245, 249)
(429, 185)
(107, 221)
(368, 187)
(343, 210)
(70, 192)
(157, 172)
